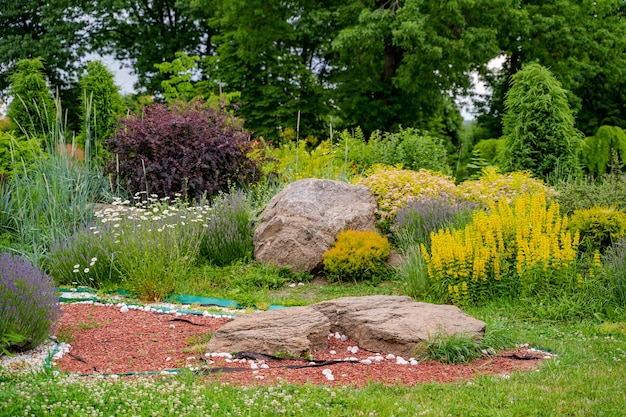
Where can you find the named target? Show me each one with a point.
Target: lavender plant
(28, 304)
(228, 234)
(419, 218)
(615, 270)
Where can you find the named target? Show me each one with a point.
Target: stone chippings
(390, 324)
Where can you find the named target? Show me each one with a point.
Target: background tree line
(373, 64)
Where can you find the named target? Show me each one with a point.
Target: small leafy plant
(459, 348)
(357, 256)
(28, 304)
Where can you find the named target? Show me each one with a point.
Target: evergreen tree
(539, 125)
(32, 105)
(102, 105)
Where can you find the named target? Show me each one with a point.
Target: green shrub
(227, 236)
(357, 256)
(16, 152)
(539, 125)
(394, 188)
(102, 98)
(411, 148)
(599, 227)
(32, 107)
(604, 151)
(147, 247)
(581, 193)
(291, 161)
(28, 304)
(492, 186)
(490, 149)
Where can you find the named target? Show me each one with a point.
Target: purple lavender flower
(419, 218)
(28, 302)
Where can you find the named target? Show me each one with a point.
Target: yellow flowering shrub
(394, 187)
(357, 256)
(509, 249)
(493, 186)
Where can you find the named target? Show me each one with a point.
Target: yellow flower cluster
(509, 243)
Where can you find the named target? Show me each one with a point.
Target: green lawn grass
(585, 378)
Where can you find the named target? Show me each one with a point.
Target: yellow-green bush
(291, 162)
(493, 186)
(357, 255)
(598, 227)
(394, 188)
(512, 249)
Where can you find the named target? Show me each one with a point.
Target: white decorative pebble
(414, 362)
(254, 366)
(124, 309)
(390, 356)
(168, 359)
(333, 352)
(401, 361)
(265, 366)
(366, 362)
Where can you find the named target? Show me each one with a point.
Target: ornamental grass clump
(394, 188)
(28, 304)
(227, 236)
(493, 186)
(357, 256)
(513, 249)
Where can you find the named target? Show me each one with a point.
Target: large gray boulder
(385, 324)
(301, 222)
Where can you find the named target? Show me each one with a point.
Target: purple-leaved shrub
(419, 218)
(188, 148)
(29, 305)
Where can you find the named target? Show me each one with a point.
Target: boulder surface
(293, 330)
(385, 324)
(301, 222)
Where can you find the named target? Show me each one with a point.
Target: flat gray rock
(396, 324)
(293, 330)
(385, 324)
